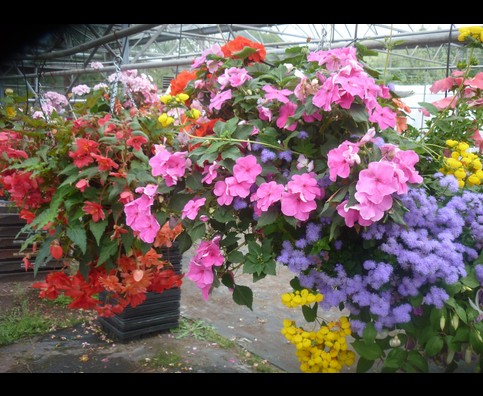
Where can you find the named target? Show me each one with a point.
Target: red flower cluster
(179, 83)
(125, 286)
(240, 42)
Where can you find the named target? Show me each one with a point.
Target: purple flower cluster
(416, 260)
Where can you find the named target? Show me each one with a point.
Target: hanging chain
(117, 65)
(323, 36)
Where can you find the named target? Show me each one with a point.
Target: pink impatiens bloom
(377, 181)
(192, 207)
(81, 89)
(293, 205)
(384, 116)
(234, 76)
(171, 166)
(218, 100)
(341, 159)
(351, 214)
(405, 160)
(264, 113)
(327, 94)
(306, 186)
(140, 219)
(267, 194)
(370, 210)
(210, 173)
(276, 94)
(236, 188)
(200, 271)
(246, 169)
(221, 190)
(287, 110)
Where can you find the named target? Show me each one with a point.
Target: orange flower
(241, 42)
(179, 83)
(400, 104)
(166, 235)
(401, 123)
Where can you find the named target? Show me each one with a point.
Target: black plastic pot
(159, 312)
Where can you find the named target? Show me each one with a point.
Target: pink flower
(306, 186)
(96, 65)
(405, 160)
(327, 94)
(236, 188)
(478, 138)
(210, 173)
(82, 184)
(150, 190)
(221, 190)
(369, 135)
(246, 169)
(351, 214)
(202, 276)
(171, 166)
(384, 116)
(369, 210)
(136, 141)
(234, 76)
(81, 89)
(137, 210)
(267, 194)
(445, 103)
(377, 181)
(276, 94)
(218, 100)
(192, 207)
(148, 229)
(341, 159)
(264, 113)
(293, 205)
(303, 162)
(442, 85)
(287, 110)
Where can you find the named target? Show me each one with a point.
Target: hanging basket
(159, 312)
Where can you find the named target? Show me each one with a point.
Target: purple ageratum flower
(436, 297)
(267, 155)
(239, 204)
(312, 233)
(479, 273)
(303, 135)
(285, 155)
(301, 243)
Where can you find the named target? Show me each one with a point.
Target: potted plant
(304, 160)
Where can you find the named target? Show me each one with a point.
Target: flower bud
(8, 92)
(395, 342)
(455, 321)
(442, 322)
(468, 354)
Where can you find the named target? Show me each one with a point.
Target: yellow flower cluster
(180, 98)
(165, 120)
(300, 297)
(463, 165)
(322, 351)
(474, 31)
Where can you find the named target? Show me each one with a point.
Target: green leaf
(223, 214)
(369, 352)
(184, 242)
(193, 181)
(476, 340)
(268, 217)
(232, 153)
(462, 334)
(359, 113)
(43, 254)
(395, 358)
(108, 249)
(270, 267)
(198, 231)
(364, 365)
(418, 361)
(98, 229)
(77, 235)
(461, 313)
(227, 280)
(369, 334)
(434, 346)
(433, 110)
(235, 257)
(243, 295)
(127, 241)
(310, 313)
(295, 284)
(230, 239)
(245, 52)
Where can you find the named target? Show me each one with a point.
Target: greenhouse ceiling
(68, 50)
